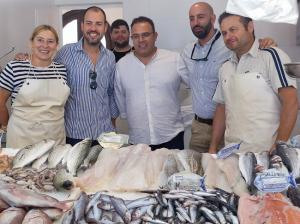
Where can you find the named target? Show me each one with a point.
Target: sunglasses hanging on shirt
(93, 76)
(206, 57)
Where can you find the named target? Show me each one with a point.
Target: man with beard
(91, 108)
(201, 61)
(119, 33)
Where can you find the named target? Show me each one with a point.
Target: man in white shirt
(146, 90)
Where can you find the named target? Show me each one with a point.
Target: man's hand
(22, 56)
(267, 42)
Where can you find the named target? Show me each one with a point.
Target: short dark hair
(244, 20)
(143, 19)
(117, 23)
(95, 9)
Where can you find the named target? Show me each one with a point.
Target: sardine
(29, 153)
(121, 209)
(80, 206)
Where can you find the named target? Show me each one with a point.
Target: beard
(92, 41)
(204, 32)
(122, 44)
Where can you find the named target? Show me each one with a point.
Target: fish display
(176, 206)
(35, 166)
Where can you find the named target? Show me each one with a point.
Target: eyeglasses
(206, 57)
(93, 76)
(142, 35)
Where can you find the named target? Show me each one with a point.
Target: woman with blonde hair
(38, 89)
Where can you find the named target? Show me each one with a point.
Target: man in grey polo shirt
(257, 101)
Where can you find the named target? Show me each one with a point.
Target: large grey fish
(92, 156)
(40, 163)
(77, 154)
(63, 180)
(263, 159)
(12, 215)
(286, 154)
(19, 197)
(247, 164)
(57, 154)
(36, 216)
(31, 152)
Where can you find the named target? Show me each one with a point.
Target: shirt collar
(79, 46)
(210, 41)
(252, 52)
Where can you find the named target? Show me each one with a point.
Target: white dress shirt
(147, 96)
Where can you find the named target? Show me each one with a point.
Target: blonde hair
(41, 28)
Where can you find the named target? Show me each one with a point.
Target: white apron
(38, 112)
(252, 112)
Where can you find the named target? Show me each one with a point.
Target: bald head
(202, 19)
(203, 6)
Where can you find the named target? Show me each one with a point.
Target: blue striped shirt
(203, 75)
(88, 112)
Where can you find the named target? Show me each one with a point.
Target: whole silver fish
(247, 164)
(40, 162)
(63, 180)
(12, 215)
(92, 156)
(80, 205)
(263, 159)
(286, 153)
(36, 216)
(29, 153)
(77, 154)
(57, 154)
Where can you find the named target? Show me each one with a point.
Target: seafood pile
(40, 180)
(45, 155)
(19, 205)
(176, 206)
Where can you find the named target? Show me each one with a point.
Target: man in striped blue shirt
(257, 101)
(91, 108)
